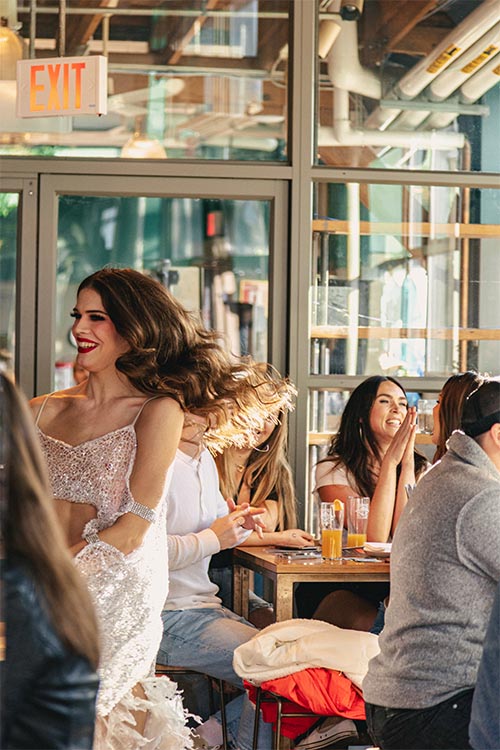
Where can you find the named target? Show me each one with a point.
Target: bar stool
(170, 671)
(267, 696)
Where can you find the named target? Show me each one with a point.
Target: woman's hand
(73, 517)
(232, 529)
(403, 442)
(294, 538)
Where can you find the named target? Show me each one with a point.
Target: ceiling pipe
(454, 44)
(344, 69)
(469, 63)
(472, 90)
(449, 81)
(344, 134)
(481, 82)
(424, 72)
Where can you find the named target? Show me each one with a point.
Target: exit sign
(62, 86)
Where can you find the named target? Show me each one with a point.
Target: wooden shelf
(381, 332)
(407, 228)
(323, 438)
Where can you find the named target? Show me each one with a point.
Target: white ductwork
(469, 63)
(472, 90)
(432, 68)
(344, 134)
(453, 45)
(480, 83)
(344, 69)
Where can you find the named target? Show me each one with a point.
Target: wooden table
(286, 573)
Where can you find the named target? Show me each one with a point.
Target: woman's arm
(269, 535)
(289, 538)
(389, 497)
(158, 431)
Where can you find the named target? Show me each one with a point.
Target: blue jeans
(444, 726)
(205, 639)
(223, 578)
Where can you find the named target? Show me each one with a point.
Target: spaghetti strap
(42, 408)
(142, 407)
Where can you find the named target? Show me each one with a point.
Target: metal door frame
(26, 259)
(54, 185)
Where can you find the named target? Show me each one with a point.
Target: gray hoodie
(445, 565)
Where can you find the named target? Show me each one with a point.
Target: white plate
(377, 549)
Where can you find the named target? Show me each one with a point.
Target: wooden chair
(173, 672)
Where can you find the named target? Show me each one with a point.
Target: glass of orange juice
(358, 509)
(332, 526)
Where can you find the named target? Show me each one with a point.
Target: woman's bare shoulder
(158, 411)
(53, 401)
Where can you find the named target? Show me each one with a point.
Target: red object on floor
(321, 691)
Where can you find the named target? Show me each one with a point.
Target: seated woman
(447, 413)
(373, 454)
(49, 674)
(261, 476)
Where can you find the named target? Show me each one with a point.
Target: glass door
(215, 244)
(17, 272)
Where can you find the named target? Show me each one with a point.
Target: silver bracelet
(92, 537)
(143, 511)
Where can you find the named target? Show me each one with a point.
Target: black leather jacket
(48, 692)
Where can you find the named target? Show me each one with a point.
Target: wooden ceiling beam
(420, 41)
(79, 29)
(176, 55)
(386, 22)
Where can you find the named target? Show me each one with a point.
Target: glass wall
(9, 206)
(409, 85)
(212, 254)
(404, 282)
(384, 249)
(186, 80)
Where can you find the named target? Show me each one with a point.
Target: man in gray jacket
(445, 566)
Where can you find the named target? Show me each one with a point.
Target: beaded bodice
(96, 471)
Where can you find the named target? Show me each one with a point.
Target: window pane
(406, 280)
(212, 254)
(186, 79)
(9, 203)
(409, 85)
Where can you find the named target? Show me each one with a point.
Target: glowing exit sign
(62, 86)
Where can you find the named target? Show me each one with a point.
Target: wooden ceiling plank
(406, 18)
(421, 40)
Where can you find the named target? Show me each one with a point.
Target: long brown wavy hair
(451, 403)
(355, 445)
(31, 531)
(173, 354)
(267, 472)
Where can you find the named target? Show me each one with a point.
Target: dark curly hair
(355, 445)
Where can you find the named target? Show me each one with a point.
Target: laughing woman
(373, 455)
(109, 444)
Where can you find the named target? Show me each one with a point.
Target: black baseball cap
(482, 408)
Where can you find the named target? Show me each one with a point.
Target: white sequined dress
(128, 590)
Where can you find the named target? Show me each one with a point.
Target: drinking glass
(332, 526)
(425, 420)
(358, 509)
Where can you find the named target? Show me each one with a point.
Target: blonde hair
(32, 533)
(267, 470)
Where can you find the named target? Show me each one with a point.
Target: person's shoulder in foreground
(445, 568)
(485, 717)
